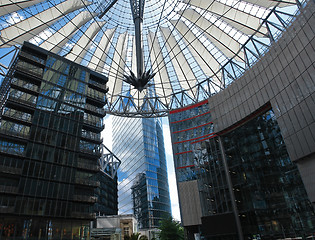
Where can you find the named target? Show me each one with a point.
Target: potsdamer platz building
(235, 78)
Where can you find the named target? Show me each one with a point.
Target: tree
(136, 236)
(133, 236)
(171, 230)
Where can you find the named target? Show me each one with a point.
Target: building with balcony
(51, 119)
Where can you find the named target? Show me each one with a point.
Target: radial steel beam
(137, 7)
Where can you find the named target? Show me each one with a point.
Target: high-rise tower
(142, 177)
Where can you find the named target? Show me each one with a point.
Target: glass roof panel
(189, 49)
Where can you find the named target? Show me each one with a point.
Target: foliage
(133, 236)
(143, 237)
(171, 230)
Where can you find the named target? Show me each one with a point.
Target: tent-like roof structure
(190, 49)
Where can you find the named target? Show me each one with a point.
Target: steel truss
(189, 45)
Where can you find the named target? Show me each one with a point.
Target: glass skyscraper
(142, 177)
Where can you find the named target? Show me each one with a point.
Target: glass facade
(142, 176)
(50, 146)
(189, 128)
(255, 173)
(269, 192)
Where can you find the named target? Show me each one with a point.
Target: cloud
(42, 36)
(107, 132)
(13, 18)
(167, 138)
(173, 195)
(170, 170)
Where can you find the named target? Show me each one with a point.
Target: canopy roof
(193, 48)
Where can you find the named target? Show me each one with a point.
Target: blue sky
(5, 61)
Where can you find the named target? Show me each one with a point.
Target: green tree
(143, 237)
(133, 236)
(171, 230)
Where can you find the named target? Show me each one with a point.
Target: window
(126, 231)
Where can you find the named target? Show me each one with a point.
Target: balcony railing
(32, 57)
(4, 209)
(90, 151)
(87, 182)
(83, 215)
(88, 166)
(8, 189)
(92, 136)
(37, 72)
(20, 83)
(23, 134)
(17, 115)
(94, 95)
(23, 99)
(12, 170)
(95, 109)
(18, 151)
(93, 123)
(99, 85)
(83, 198)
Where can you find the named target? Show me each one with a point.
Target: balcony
(83, 215)
(92, 136)
(83, 198)
(94, 109)
(95, 97)
(95, 152)
(17, 115)
(99, 86)
(94, 124)
(4, 209)
(88, 166)
(23, 99)
(35, 72)
(87, 182)
(17, 151)
(23, 84)
(32, 57)
(8, 189)
(11, 170)
(24, 135)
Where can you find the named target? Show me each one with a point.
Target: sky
(169, 158)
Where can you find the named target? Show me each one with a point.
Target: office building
(142, 177)
(50, 145)
(239, 182)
